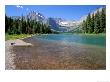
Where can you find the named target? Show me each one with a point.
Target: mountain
(53, 24)
(68, 24)
(57, 24)
(33, 15)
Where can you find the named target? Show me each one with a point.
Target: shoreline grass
(16, 36)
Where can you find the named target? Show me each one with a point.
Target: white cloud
(18, 6)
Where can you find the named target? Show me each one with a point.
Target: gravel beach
(9, 55)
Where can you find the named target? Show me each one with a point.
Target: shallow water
(50, 52)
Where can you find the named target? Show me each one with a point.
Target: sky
(68, 12)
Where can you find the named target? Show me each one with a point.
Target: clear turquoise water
(98, 40)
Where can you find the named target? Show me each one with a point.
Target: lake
(62, 51)
(98, 40)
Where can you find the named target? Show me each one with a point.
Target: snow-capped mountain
(32, 15)
(68, 25)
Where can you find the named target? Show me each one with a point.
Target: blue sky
(69, 12)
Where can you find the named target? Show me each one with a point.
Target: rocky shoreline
(9, 55)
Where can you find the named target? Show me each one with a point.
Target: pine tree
(103, 20)
(92, 24)
(97, 22)
(88, 20)
(84, 26)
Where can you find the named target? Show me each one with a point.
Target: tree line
(23, 26)
(95, 23)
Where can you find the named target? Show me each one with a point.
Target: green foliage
(84, 27)
(92, 24)
(16, 36)
(88, 21)
(95, 23)
(22, 26)
(103, 20)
